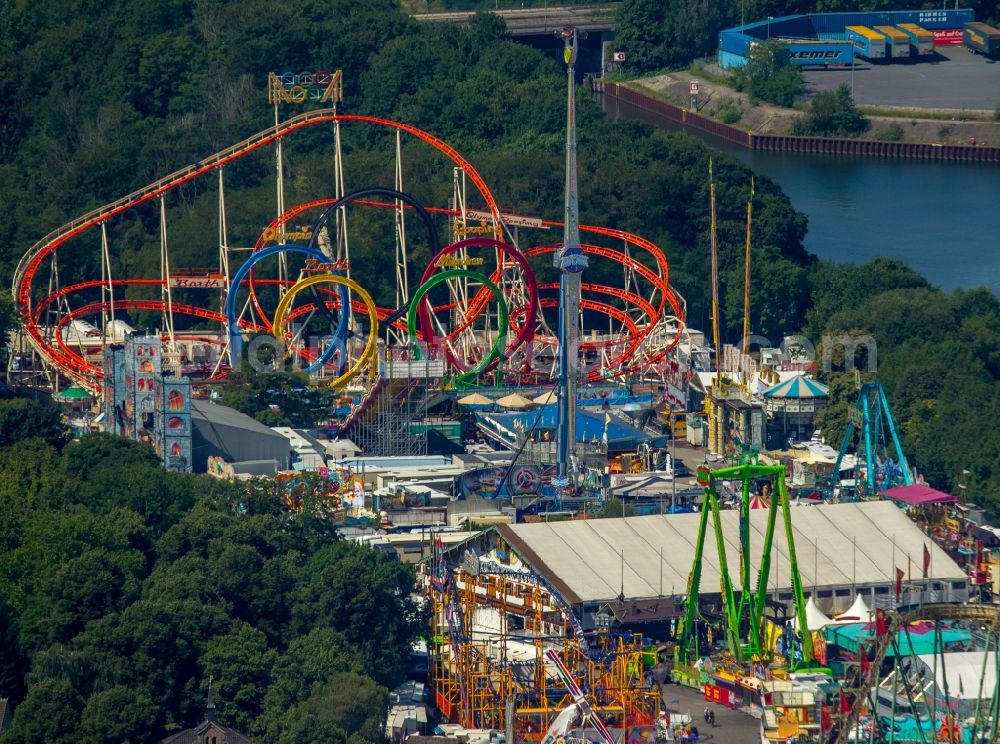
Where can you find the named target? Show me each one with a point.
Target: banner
(211, 281)
(947, 36)
(899, 581)
(927, 560)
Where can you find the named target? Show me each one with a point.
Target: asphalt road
(953, 79)
(731, 726)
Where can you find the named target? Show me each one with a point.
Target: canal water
(943, 219)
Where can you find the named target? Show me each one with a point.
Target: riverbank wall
(655, 109)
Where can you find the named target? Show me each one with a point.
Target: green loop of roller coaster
(503, 321)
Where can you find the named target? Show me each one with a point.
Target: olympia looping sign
(302, 87)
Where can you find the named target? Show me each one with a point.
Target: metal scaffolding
(491, 632)
(391, 417)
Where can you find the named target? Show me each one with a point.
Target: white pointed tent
(859, 612)
(815, 617)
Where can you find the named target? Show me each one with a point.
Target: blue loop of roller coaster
(236, 340)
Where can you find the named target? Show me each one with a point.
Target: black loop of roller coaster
(346, 200)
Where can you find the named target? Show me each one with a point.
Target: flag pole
(854, 563)
(894, 574)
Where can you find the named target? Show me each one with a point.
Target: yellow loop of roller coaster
(368, 354)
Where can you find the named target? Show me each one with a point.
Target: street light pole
(852, 71)
(673, 461)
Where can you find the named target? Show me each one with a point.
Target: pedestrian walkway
(731, 726)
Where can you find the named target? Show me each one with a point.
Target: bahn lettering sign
(198, 282)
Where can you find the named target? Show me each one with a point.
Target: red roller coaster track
(57, 353)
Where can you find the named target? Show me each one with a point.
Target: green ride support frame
(751, 601)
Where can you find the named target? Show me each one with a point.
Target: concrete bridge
(540, 21)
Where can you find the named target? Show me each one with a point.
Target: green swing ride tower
(743, 614)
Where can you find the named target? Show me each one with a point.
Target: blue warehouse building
(821, 39)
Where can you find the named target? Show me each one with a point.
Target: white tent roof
(584, 558)
(963, 670)
(815, 617)
(859, 612)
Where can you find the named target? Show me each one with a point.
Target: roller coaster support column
(571, 262)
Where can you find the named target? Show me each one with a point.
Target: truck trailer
(981, 39)
(898, 42)
(921, 40)
(867, 43)
(827, 53)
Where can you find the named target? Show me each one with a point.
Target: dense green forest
(122, 587)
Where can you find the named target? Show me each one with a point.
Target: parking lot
(953, 79)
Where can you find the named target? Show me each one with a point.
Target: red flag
(865, 664)
(880, 628)
(927, 560)
(900, 573)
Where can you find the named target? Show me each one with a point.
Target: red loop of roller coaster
(660, 283)
(667, 294)
(636, 336)
(29, 264)
(151, 305)
(508, 251)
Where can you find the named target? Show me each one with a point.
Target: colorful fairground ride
(754, 642)
(508, 653)
(880, 463)
(454, 303)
